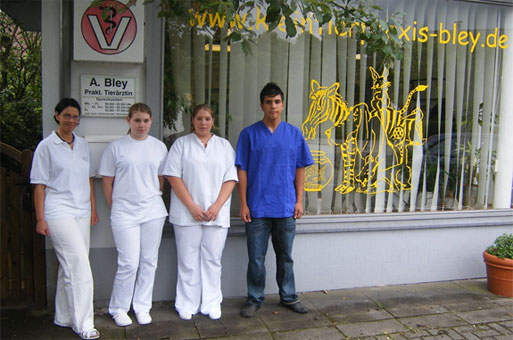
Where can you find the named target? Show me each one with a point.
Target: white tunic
(65, 172)
(135, 166)
(203, 171)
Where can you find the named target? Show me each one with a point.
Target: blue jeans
(282, 231)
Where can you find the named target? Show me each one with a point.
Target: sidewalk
(457, 310)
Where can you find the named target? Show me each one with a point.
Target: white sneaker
(185, 315)
(122, 319)
(215, 315)
(143, 318)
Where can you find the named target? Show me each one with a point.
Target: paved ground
(457, 310)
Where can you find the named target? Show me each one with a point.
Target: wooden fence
(23, 280)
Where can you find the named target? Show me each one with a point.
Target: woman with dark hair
(201, 170)
(65, 209)
(132, 182)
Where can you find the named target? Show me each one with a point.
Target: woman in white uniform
(65, 209)
(132, 182)
(200, 168)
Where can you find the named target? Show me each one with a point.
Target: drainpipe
(504, 164)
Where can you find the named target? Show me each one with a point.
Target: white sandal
(90, 334)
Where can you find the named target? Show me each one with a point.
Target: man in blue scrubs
(271, 158)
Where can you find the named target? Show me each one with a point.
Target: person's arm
(185, 197)
(108, 185)
(161, 182)
(299, 183)
(39, 205)
(94, 215)
(224, 193)
(245, 214)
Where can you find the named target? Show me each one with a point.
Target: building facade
(413, 169)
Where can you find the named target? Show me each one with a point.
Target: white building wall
(330, 252)
(341, 252)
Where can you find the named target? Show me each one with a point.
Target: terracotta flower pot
(499, 274)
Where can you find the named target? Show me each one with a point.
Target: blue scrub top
(271, 160)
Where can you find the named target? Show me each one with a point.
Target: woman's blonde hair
(138, 107)
(205, 107)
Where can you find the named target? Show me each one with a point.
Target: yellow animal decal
(319, 174)
(327, 105)
(363, 149)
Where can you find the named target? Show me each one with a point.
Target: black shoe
(249, 310)
(297, 307)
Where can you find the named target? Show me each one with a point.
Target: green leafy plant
(20, 85)
(503, 247)
(364, 20)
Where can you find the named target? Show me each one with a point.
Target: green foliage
(361, 17)
(20, 85)
(503, 247)
(20, 122)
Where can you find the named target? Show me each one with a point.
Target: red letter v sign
(100, 36)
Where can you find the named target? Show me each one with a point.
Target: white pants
(199, 251)
(138, 252)
(74, 295)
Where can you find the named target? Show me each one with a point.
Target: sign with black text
(106, 96)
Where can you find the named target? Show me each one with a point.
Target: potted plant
(499, 265)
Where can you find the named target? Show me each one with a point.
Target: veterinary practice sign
(106, 96)
(110, 31)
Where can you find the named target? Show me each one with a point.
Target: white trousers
(199, 252)
(74, 296)
(138, 252)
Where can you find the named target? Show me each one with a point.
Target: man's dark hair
(64, 103)
(271, 90)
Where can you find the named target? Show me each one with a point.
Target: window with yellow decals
(422, 135)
